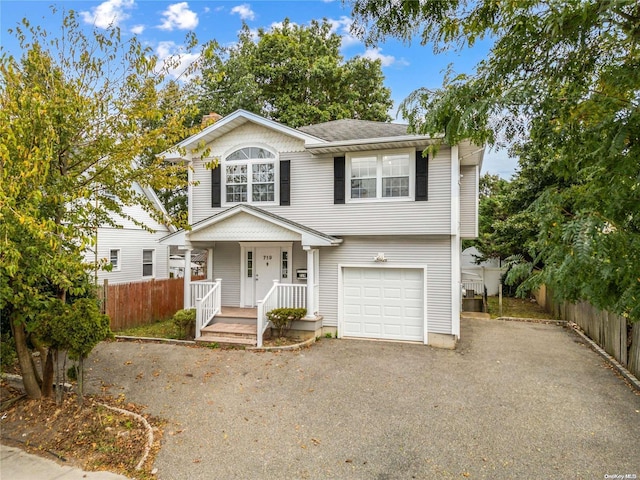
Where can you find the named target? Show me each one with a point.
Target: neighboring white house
(349, 212)
(488, 272)
(133, 252)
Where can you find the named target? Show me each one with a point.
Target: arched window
(250, 176)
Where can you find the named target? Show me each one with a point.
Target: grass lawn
(517, 307)
(161, 329)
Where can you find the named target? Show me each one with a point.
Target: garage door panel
(372, 329)
(372, 292)
(392, 292)
(391, 311)
(413, 293)
(385, 303)
(372, 310)
(371, 274)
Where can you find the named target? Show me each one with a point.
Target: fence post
(500, 299)
(105, 295)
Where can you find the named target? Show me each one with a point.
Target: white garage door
(386, 303)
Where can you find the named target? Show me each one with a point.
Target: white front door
(267, 269)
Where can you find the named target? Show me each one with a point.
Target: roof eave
(370, 143)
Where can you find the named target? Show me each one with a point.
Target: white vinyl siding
(226, 265)
(312, 193)
(432, 251)
(130, 243)
(469, 201)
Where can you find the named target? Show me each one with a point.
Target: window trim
(250, 162)
(153, 262)
(411, 153)
(118, 265)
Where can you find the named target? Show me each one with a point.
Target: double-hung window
(250, 176)
(380, 176)
(147, 263)
(114, 259)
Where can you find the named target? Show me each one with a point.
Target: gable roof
(309, 235)
(225, 125)
(350, 129)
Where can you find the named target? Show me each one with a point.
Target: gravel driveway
(515, 400)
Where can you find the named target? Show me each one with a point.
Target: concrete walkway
(15, 464)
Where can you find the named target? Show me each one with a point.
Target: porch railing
(208, 305)
(281, 295)
(200, 288)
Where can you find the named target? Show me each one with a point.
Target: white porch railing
(206, 297)
(281, 295)
(199, 289)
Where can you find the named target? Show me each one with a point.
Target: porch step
(230, 330)
(241, 333)
(227, 341)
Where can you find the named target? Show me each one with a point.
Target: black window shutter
(339, 185)
(216, 187)
(422, 177)
(285, 182)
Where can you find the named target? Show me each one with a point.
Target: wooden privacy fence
(140, 303)
(619, 337)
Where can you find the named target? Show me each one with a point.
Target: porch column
(209, 263)
(311, 282)
(187, 279)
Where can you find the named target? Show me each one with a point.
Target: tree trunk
(29, 378)
(46, 362)
(80, 374)
(47, 375)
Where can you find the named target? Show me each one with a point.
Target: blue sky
(162, 25)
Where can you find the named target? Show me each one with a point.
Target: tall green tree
(562, 82)
(293, 74)
(77, 113)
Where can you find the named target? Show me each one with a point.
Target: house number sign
(267, 258)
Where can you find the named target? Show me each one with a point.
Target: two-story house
(350, 219)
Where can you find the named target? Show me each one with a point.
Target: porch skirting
(304, 328)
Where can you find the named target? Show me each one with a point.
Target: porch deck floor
(238, 312)
(232, 328)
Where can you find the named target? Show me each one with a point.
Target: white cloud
(178, 15)
(244, 11)
(175, 61)
(137, 29)
(386, 60)
(109, 13)
(342, 27)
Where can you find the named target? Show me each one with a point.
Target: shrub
(8, 356)
(185, 320)
(282, 318)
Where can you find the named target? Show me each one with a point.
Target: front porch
(255, 259)
(240, 326)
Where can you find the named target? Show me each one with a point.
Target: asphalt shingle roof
(348, 129)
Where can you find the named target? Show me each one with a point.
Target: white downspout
(456, 299)
(311, 280)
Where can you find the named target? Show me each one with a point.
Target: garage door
(386, 303)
